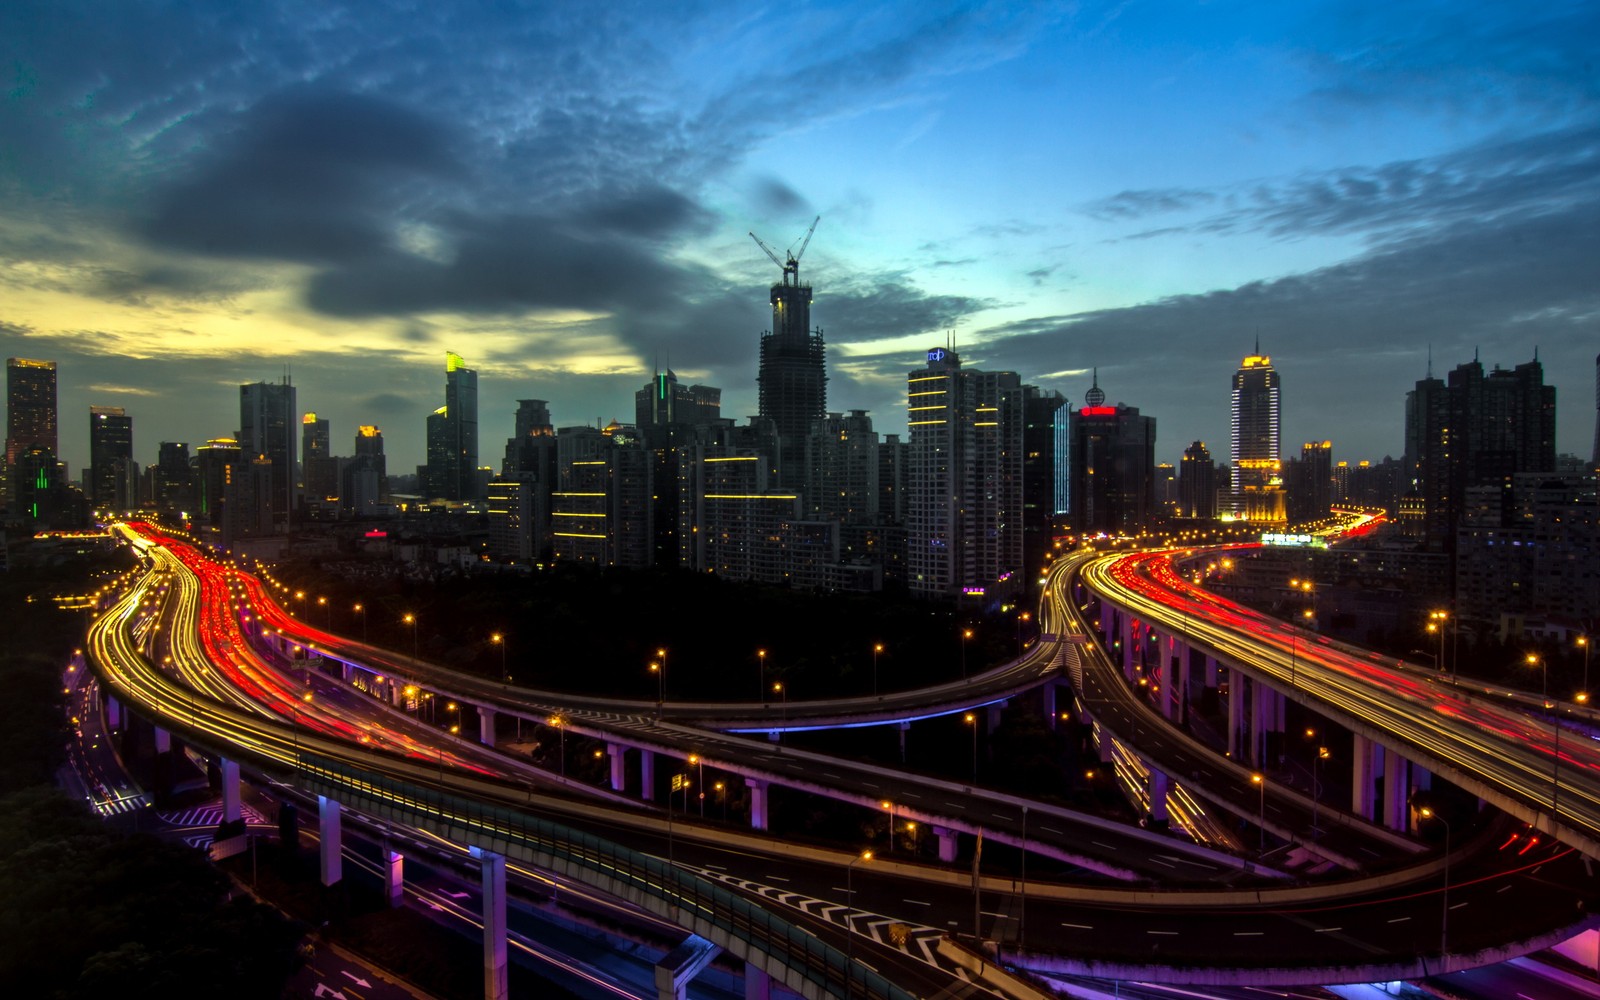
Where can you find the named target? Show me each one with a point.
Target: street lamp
(500, 640)
(361, 609)
(877, 648)
(411, 619)
(1260, 781)
(1583, 693)
(663, 654)
(1023, 617)
(700, 781)
(327, 613)
(661, 686)
(972, 720)
(722, 797)
(849, 926)
(966, 634)
(783, 692)
(1436, 625)
(1444, 915)
(761, 673)
(560, 726)
(1535, 660)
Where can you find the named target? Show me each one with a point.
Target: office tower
(173, 478)
(216, 464)
(842, 454)
(1310, 483)
(1526, 552)
(266, 429)
(452, 436)
(510, 502)
(364, 480)
(664, 400)
(602, 511)
(1113, 467)
(111, 472)
(320, 469)
(31, 420)
(1197, 483)
(1254, 435)
(1474, 429)
(964, 480)
(792, 380)
(1044, 470)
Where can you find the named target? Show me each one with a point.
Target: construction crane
(791, 263)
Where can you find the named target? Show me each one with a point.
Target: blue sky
(196, 195)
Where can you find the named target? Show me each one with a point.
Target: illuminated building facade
(1113, 467)
(319, 467)
(266, 430)
(112, 475)
(1254, 433)
(31, 417)
(364, 479)
(1197, 483)
(664, 400)
(964, 480)
(216, 463)
(452, 436)
(842, 454)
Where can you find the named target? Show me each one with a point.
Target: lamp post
(661, 683)
(1535, 660)
(1583, 693)
(849, 927)
(722, 797)
(1260, 781)
(1022, 904)
(662, 653)
(361, 609)
(327, 613)
(560, 726)
(500, 640)
(783, 692)
(971, 719)
(1436, 620)
(761, 673)
(1022, 617)
(411, 619)
(966, 634)
(1444, 914)
(699, 781)
(877, 648)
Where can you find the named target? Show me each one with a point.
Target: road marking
(1077, 927)
(1106, 846)
(998, 916)
(1051, 829)
(829, 774)
(1504, 888)
(1163, 933)
(1458, 906)
(915, 902)
(1164, 863)
(1326, 930)
(774, 878)
(868, 784)
(999, 815)
(720, 868)
(1399, 920)
(910, 795)
(1248, 933)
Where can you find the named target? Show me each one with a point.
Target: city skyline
(1140, 191)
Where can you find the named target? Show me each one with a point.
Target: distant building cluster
(991, 475)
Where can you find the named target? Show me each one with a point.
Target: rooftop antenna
(791, 262)
(1258, 343)
(1096, 396)
(1430, 361)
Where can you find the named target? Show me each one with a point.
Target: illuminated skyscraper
(1197, 483)
(365, 477)
(452, 470)
(1113, 467)
(111, 472)
(1254, 435)
(30, 414)
(319, 469)
(266, 430)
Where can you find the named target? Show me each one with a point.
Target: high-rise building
(1310, 485)
(1594, 461)
(174, 478)
(964, 480)
(31, 419)
(602, 513)
(266, 430)
(842, 454)
(1044, 470)
(1474, 429)
(1197, 483)
(1254, 435)
(216, 465)
(664, 400)
(111, 470)
(1113, 467)
(792, 380)
(365, 479)
(452, 470)
(320, 469)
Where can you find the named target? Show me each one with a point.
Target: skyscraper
(964, 480)
(1113, 467)
(1594, 461)
(452, 471)
(266, 430)
(665, 400)
(320, 470)
(111, 474)
(792, 379)
(365, 479)
(174, 478)
(30, 415)
(1254, 435)
(1197, 483)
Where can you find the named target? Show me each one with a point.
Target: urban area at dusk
(951, 500)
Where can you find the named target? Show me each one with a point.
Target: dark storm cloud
(650, 211)
(886, 307)
(389, 404)
(774, 198)
(305, 175)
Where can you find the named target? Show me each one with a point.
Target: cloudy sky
(195, 195)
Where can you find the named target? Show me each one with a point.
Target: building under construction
(792, 379)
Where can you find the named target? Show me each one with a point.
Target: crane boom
(767, 250)
(805, 242)
(790, 265)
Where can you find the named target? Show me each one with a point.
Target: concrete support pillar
(329, 831)
(347, 671)
(905, 727)
(757, 984)
(1213, 672)
(486, 725)
(163, 740)
(618, 755)
(1165, 695)
(1236, 695)
(229, 771)
(394, 877)
(1047, 697)
(948, 842)
(1129, 646)
(1421, 777)
(1103, 736)
(681, 965)
(1157, 788)
(1396, 808)
(396, 693)
(1361, 776)
(991, 720)
(647, 775)
(495, 986)
(113, 712)
(1182, 692)
(758, 803)
(1260, 699)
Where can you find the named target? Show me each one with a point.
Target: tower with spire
(1255, 419)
